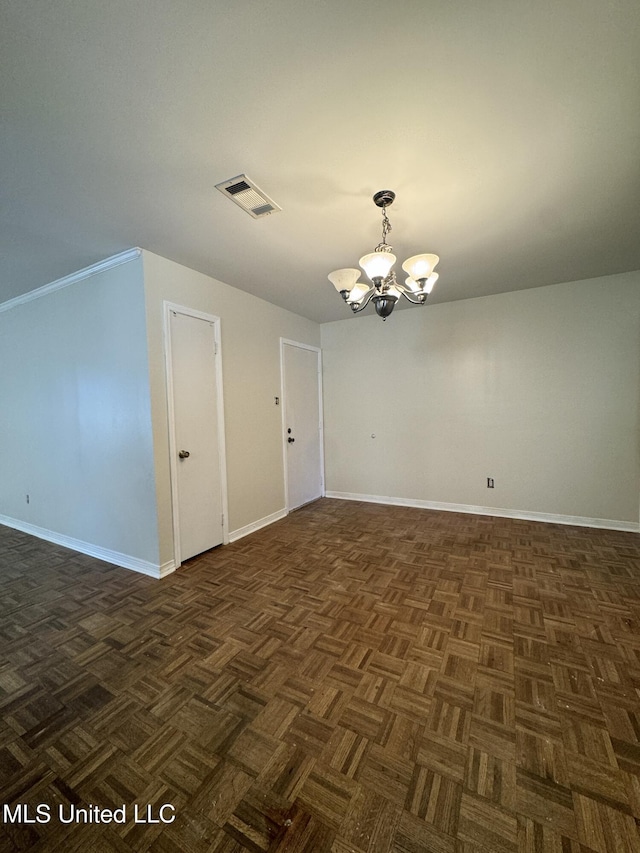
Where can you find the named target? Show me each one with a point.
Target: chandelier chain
(386, 227)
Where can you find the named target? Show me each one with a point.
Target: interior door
(302, 423)
(196, 445)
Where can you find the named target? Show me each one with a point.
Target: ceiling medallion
(385, 291)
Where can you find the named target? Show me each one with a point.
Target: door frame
(168, 309)
(283, 397)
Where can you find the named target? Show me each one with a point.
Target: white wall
(538, 389)
(75, 418)
(250, 332)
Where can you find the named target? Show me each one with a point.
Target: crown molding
(72, 278)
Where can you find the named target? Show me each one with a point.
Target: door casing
(168, 309)
(285, 342)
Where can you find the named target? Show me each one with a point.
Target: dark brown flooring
(353, 678)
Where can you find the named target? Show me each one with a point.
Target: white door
(302, 421)
(196, 445)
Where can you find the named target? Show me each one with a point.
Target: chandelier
(385, 290)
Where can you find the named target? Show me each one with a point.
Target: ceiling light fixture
(385, 291)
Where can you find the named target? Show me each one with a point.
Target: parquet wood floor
(353, 678)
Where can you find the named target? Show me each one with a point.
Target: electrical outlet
(490, 483)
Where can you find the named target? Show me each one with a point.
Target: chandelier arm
(367, 298)
(406, 295)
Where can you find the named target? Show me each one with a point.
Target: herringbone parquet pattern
(354, 678)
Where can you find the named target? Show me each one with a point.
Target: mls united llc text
(23, 813)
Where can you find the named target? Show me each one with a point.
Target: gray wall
(250, 332)
(83, 414)
(75, 417)
(538, 389)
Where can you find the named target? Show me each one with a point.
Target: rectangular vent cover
(248, 196)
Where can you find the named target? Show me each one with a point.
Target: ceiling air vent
(248, 196)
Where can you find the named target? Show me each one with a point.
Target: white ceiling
(509, 130)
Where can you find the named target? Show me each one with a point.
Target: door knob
(290, 440)
(184, 454)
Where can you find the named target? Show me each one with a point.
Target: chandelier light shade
(344, 279)
(385, 290)
(420, 266)
(358, 292)
(377, 265)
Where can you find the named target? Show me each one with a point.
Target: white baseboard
(256, 525)
(167, 568)
(125, 561)
(548, 518)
